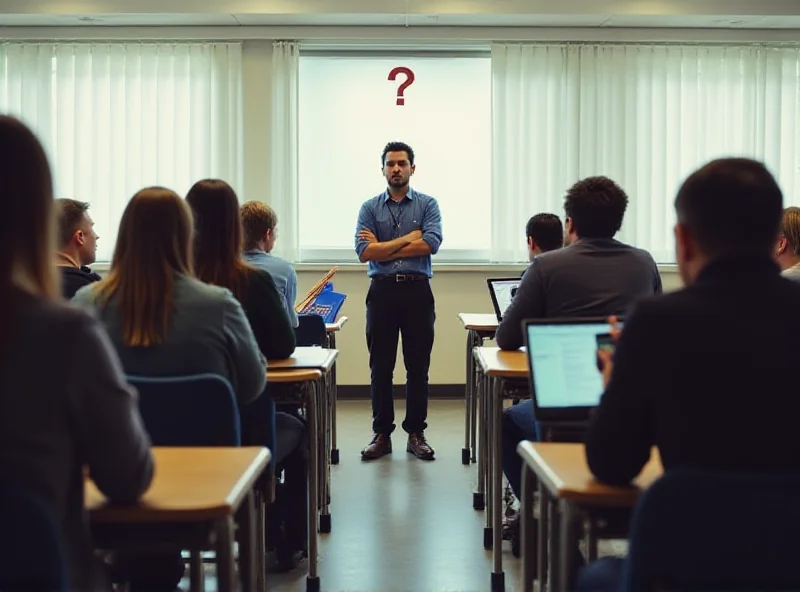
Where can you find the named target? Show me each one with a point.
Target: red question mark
(402, 88)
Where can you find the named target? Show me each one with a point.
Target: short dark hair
(731, 205)
(596, 206)
(398, 147)
(70, 214)
(546, 230)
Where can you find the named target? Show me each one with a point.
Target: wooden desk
(331, 329)
(565, 479)
(502, 371)
(199, 486)
(479, 327)
(319, 358)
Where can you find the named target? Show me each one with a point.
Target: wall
(454, 290)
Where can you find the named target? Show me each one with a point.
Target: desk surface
(190, 485)
(337, 326)
(478, 322)
(292, 376)
(317, 358)
(502, 364)
(562, 469)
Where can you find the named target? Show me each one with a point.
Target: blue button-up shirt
(283, 275)
(389, 220)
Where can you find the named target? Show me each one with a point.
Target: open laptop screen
(562, 357)
(502, 292)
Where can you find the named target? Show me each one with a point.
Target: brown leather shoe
(419, 447)
(380, 445)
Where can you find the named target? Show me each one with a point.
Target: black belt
(401, 277)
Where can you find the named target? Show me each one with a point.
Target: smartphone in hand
(604, 342)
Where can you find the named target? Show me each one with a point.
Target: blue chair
(700, 530)
(196, 410)
(310, 330)
(32, 555)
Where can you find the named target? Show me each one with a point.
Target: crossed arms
(410, 245)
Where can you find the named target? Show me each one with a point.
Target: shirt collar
(410, 195)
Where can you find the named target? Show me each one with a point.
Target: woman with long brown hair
(80, 411)
(218, 260)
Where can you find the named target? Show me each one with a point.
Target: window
(117, 117)
(348, 112)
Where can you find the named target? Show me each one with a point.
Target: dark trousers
(399, 309)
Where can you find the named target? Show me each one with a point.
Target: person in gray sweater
(64, 403)
(164, 322)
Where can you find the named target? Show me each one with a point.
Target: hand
(414, 235)
(605, 356)
(367, 235)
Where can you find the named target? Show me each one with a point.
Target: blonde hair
(257, 219)
(154, 243)
(790, 229)
(27, 238)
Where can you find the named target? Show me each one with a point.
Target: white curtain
(646, 116)
(283, 153)
(117, 117)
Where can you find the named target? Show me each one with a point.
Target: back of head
(731, 206)
(70, 213)
(257, 219)
(154, 243)
(790, 229)
(546, 230)
(218, 236)
(596, 207)
(27, 234)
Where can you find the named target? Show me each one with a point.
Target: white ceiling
(740, 14)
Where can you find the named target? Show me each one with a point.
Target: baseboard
(435, 391)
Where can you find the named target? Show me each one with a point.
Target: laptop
(502, 291)
(565, 381)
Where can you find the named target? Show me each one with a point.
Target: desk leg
(324, 450)
(528, 532)
(312, 580)
(486, 455)
(544, 525)
(556, 535)
(196, 574)
(474, 398)
(247, 544)
(568, 543)
(226, 575)
(334, 397)
(479, 497)
(496, 402)
(261, 542)
(468, 395)
(590, 537)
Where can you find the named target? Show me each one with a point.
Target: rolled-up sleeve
(432, 226)
(366, 220)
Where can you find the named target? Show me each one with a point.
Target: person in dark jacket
(77, 246)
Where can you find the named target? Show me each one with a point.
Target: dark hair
(153, 244)
(70, 214)
(546, 231)
(398, 147)
(731, 205)
(596, 206)
(218, 236)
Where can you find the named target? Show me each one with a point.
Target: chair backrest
(197, 410)
(699, 530)
(310, 330)
(32, 553)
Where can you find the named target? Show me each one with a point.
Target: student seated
(544, 233)
(218, 260)
(64, 403)
(593, 276)
(164, 322)
(77, 246)
(787, 253)
(260, 226)
(707, 373)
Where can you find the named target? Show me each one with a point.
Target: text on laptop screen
(564, 364)
(504, 292)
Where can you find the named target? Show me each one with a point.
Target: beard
(397, 181)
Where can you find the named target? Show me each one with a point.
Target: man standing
(788, 252)
(544, 233)
(397, 232)
(77, 246)
(260, 229)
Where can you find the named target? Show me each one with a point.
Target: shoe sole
(422, 456)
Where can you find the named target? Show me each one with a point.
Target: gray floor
(401, 524)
